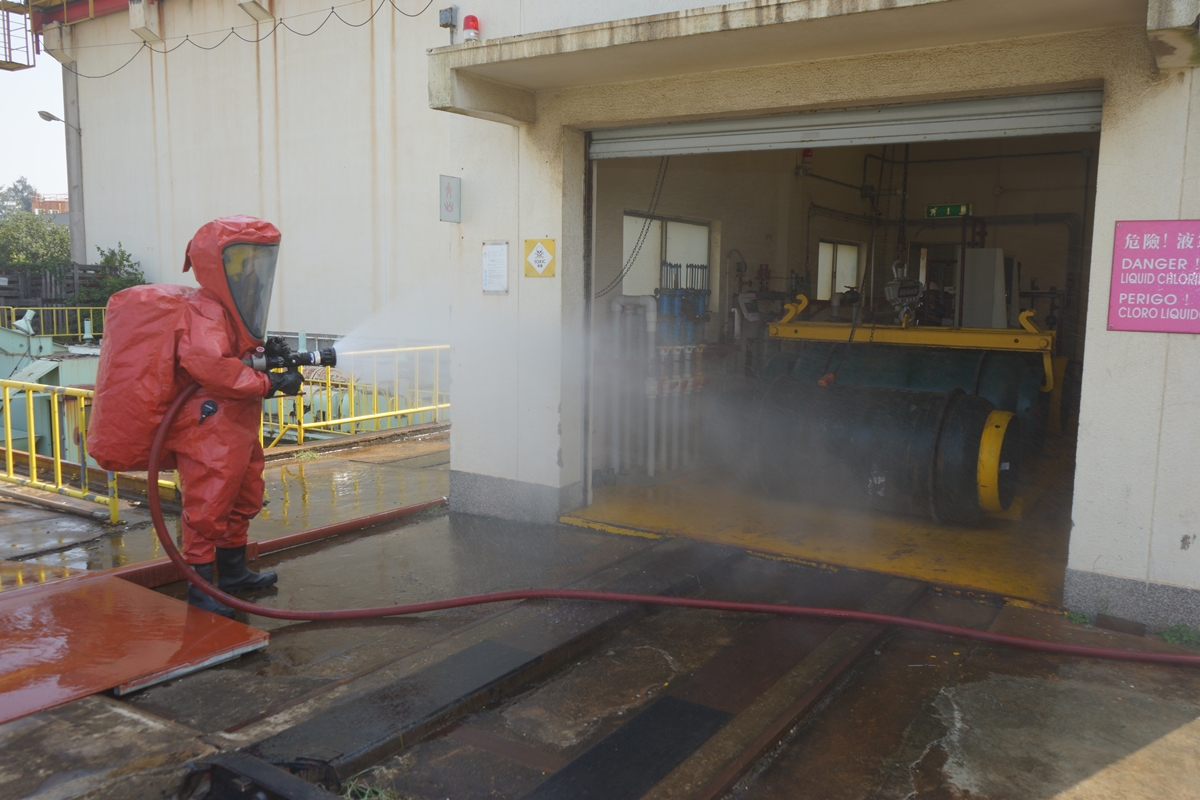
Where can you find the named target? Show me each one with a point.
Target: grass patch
(359, 786)
(357, 789)
(1079, 618)
(1181, 633)
(307, 455)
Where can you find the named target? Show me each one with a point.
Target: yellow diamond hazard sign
(539, 258)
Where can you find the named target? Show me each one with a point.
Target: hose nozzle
(277, 355)
(325, 357)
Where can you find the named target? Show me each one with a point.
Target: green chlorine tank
(1010, 381)
(949, 456)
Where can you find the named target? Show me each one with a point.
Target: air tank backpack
(137, 377)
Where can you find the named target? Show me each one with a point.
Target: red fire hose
(613, 597)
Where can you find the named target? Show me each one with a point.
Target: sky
(30, 146)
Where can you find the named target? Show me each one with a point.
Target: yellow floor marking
(1025, 559)
(623, 530)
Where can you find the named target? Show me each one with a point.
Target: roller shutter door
(1073, 112)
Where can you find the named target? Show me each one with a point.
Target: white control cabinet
(983, 295)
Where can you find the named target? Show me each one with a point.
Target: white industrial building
(628, 133)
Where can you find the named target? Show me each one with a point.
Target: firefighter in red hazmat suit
(214, 441)
(215, 436)
(160, 338)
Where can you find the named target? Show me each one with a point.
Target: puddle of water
(300, 495)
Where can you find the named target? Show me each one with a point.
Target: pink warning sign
(1156, 277)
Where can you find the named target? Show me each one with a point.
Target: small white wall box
(143, 21)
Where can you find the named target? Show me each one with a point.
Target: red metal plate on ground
(64, 640)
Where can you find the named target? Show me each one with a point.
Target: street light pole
(74, 143)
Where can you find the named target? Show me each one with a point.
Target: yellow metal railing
(60, 321)
(57, 395)
(397, 387)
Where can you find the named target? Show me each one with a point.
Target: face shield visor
(250, 271)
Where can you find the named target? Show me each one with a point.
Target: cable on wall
(233, 33)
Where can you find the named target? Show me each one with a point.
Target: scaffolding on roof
(17, 49)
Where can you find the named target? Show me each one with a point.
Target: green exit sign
(952, 210)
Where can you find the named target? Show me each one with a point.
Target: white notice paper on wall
(495, 267)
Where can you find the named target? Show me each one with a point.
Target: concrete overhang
(498, 79)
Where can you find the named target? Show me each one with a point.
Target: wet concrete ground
(445, 556)
(920, 716)
(27, 530)
(307, 491)
(930, 717)
(911, 716)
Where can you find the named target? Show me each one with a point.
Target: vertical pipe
(614, 390)
(83, 465)
(668, 387)
(697, 401)
(113, 509)
(651, 400)
(662, 401)
(8, 442)
(350, 391)
(676, 378)
(628, 413)
(650, 307)
(681, 410)
(626, 404)
(56, 445)
(637, 379)
(298, 409)
(685, 417)
(437, 385)
(31, 438)
(959, 295)
(328, 395)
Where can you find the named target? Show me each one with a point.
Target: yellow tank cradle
(1028, 339)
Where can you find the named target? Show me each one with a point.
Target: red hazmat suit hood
(206, 254)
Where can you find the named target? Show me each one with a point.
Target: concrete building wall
(331, 137)
(1137, 510)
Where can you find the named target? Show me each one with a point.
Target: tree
(32, 240)
(16, 197)
(122, 273)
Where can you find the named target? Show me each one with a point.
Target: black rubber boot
(199, 599)
(234, 576)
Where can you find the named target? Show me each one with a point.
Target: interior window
(837, 268)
